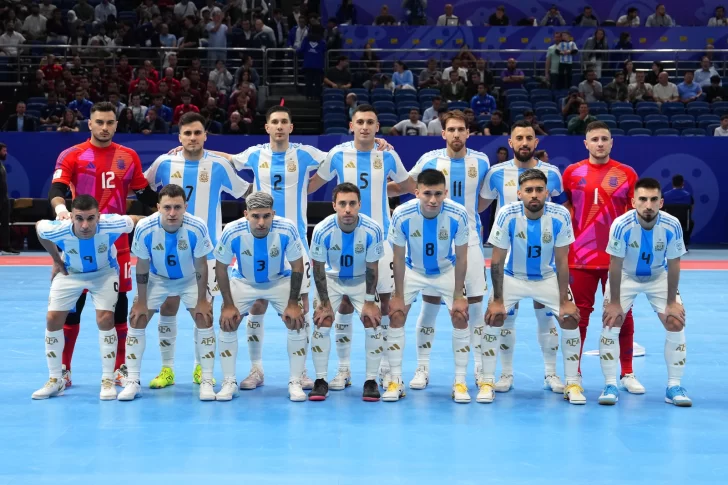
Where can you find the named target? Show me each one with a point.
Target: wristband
(369, 297)
(60, 208)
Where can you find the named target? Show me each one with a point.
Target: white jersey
(285, 176)
(172, 255)
(502, 182)
(346, 254)
(87, 255)
(260, 260)
(645, 252)
(370, 172)
(464, 179)
(531, 242)
(429, 242)
(204, 183)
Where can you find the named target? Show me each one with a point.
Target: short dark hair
(522, 124)
(341, 59)
(346, 188)
(365, 108)
(632, 9)
(277, 109)
(597, 125)
(532, 174)
(172, 191)
(2, 145)
(502, 148)
(431, 177)
(677, 180)
(647, 183)
(103, 107)
(715, 78)
(724, 117)
(84, 202)
(189, 118)
(437, 98)
(538, 154)
(497, 113)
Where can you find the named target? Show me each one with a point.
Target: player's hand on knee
(372, 314)
(322, 313)
(229, 318)
(460, 308)
(676, 312)
(613, 315)
(58, 267)
(495, 314)
(203, 310)
(138, 315)
(396, 305)
(568, 310)
(293, 316)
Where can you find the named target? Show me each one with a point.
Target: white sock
(167, 330)
(343, 335)
(475, 326)
(308, 330)
(548, 339)
(255, 339)
(54, 342)
(675, 356)
(570, 346)
(507, 341)
(461, 349)
(296, 353)
(320, 350)
(196, 338)
(395, 350)
(609, 354)
(426, 332)
(107, 344)
(374, 347)
(489, 352)
(384, 326)
(227, 346)
(136, 343)
(205, 346)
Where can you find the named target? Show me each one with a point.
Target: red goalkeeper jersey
(598, 195)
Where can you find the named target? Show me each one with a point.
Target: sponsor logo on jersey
(335, 247)
(204, 177)
(159, 247)
(634, 244)
(659, 245)
(547, 237)
(91, 165)
(510, 183)
(359, 248)
(417, 233)
(378, 162)
(521, 235)
(350, 165)
(582, 181)
(442, 235)
(615, 244)
(472, 172)
(274, 251)
(72, 251)
(102, 248)
(177, 175)
(182, 245)
(247, 253)
(264, 165)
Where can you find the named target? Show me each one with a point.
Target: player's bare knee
(459, 322)
(55, 320)
(201, 323)
(397, 320)
(672, 324)
(568, 323)
(259, 307)
(105, 319)
(434, 300)
(170, 307)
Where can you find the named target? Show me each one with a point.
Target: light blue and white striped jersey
(204, 183)
(370, 172)
(645, 252)
(465, 177)
(530, 243)
(87, 255)
(502, 183)
(346, 254)
(260, 260)
(567, 47)
(171, 255)
(430, 242)
(285, 176)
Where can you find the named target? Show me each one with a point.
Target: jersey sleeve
(138, 180)
(375, 251)
(233, 184)
(676, 246)
(224, 251)
(417, 169)
(52, 230)
(139, 247)
(65, 166)
(293, 248)
(151, 174)
(488, 191)
(204, 243)
(326, 170)
(396, 236)
(318, 246)
(499, 235)
(566, 233)
(617, 242)
(116, 224)
(317, 155)
(240, 161)
(556, 187)
(398, 173)
(566, 180)
(462, 236)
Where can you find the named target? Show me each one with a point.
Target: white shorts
(354, 288)
(475, 282)
(655, 290)
(161, 288)
(213, 289)
(441, 285)
(245, 294)
(545, 292)
(306, 283)
(102, 286)
(385, 282)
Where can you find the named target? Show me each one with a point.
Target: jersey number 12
(107, 180)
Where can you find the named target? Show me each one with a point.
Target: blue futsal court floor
(526, 436)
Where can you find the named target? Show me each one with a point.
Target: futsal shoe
(505, 383)
(630, 383)
(384, 376)
(197, 375)
(164, 379)
(554, 383)
(574, 393)
(678, 396)
(207, 390)
(254, 380)
(306, 382)
(320, 391)
(121, 375)
(341, 380)
(610, 395)
(486, 393)
(132, 390)
(108, 391)
(53, 388)
(460, 393)
(478, 376)
(229, 390)
(421, 378)
(66, 376)
(395, 391)
(295, 391)
(371, 391)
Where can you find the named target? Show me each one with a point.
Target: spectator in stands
(456, 66)
(38, 86)
(722, 130)
(253, 9)
(552, 18)
(216, 39)
(665, 91)
(415, 12)
(103, 10)
(382, 81)
(719, 19)
(566, 50)
(384, 17)
(483, 103)
(191, 41)
(339, 77)
(430, 77)
(631, 19)
(486, 76)
(264, 36)
(51, 67)
(298, 33)
(496, 126)
(431, 112)
(246, 88)
(715, 91)
(137, 108)
(501, 155)
(242, 106)
(471, 123)
(370, 60)
(453, 89)
(541, 155)
(165, 38)
(183, 108)
(196, 85)
(471, 87)
(163, 111)
(617, 90)
(69, 123)
(552, 60)
(512, 77)
(10, 40)
(705, 73)
(47, 9)
(586, 18)
(689, 90)
(142, 75)
(679, 196)
(57, 29)
(499, 18)
(448, 19)
(168, 97)
(597, 42)
(332, 36)
(402, 77)
(127, 123)
(652, 76)
(467, 59)
(235, 125)
(221, 77)
(81, 105)
(278, 26)
(211, 111)
(410, 127)
(185, 9)
(53, 111)
(172, 84)
(570, 104)
(247, 66)
(434, 127)
(630, 76)
(577, 125)
(153, 124)
(313, 51)
(143, 91)
(84, 11)
(147, 9)
(11, 16)
(640, 90)
(211, 6)
(624, 43)
(590, 89)
(351, 102)
(659, 18)
(537, 126)
(21, 121)
(346, 14)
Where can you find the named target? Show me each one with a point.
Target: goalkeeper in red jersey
(598, 190)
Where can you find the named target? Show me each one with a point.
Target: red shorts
(123, 256)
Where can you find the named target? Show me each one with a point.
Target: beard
(522, 158)
(531, 208)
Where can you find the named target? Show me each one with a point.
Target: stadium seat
(336, 130)
(698, 110)
(516, 92)
(682, 122)
(36, 100)
(33, 112)
(551, 117)
(335, 119)
(35, 106)
(667, 132)
(405, 110)
(630, 117)
(607, 117)
(706, 122)
(639, 132)
(693, 132)
(408, 104)
(332, 124)
(387, 119)
(699, 104)
(425, 105)
(673, 108)
(711, 129)
(533, 85)
(617, 132)
(333, 95)
(405, 94)
(610, 123)
(461, 105)
(428, 92)
(551, 124)
(655, 125)
(629, 125)
(656, 118)
(598, 110)
(384, 106)
(648, 110)
(520, 106)
(359, 92)
(333, 108)
(601, 106)
(720, 111)
(622, 111)
(558, 131)
(517, 98)
(174, 130)
(621, 104)
(516, 118)
(540, 99)
(544, 104)
(546, 111)
(542, 92)
(383, 95)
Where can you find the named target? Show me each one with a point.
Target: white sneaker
(574, 393)
(108, 390)
(384, 377)
(228, 391)
(505, 383)
(341, 380)
(207, 390)
(478, 376)
(255, 379)
(486, 393)
(631, 384)
(131, 390)
(395, 390)
(554, 383)
(306, 382)
(421, 378)
(638, 350)
(460, 393)
(53, 388)
(295, 391)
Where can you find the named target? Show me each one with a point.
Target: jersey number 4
(647, 258)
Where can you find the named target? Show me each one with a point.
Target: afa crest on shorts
(182, 245)
(102, 248)
(274, 251)
(472, 172)
(442, 235)
(359, 248)
(204, 177)
(547, 237)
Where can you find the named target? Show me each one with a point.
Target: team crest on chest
(378, 162)
(204, 177)
(103, 248)
(359, 248)
(291, 165)
(613, 181)
(182, 245)
(547, 237)
(120, 164)
(659, 245)
(472, 172)
(442, 235)
(274, 251)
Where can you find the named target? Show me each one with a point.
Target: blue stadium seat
(426, 99)
(333, 108)
(720, 111)
(33, 112)
(407, 103)
(381, 96)
(618, 112)
(336, 130)
(655, 125)
(533, 85)
(517, 98)
(359, 92)
(551, 124)
(546, 110)
(617, 132)
(719, 104)
(698, 110)
(699, 104)
(335, 118)
(551, 117)
(682, 122)
(425, 105)
(657, 118)
(384, 106)
(598, 110)
(520, 106)
(610, 123)
(461, 105)
(174, 130)
(673, 108)
(621, 104)
(711, 129)
(36, 100)
(544, 104)
(667, 132)
(542, 92)
(35, 106)
(642, 104)
(428, 92)
(333, 95)
(629, 125)
(706, 117)
(404, 111)
(606, 117)
(693, 132)
(387, 119)
(630, 117)
(405, 94)
(516, 92)
(706, 122)
(558, 131)
(517, 117)
(648, 110)
(541, 99)
(639, 132)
